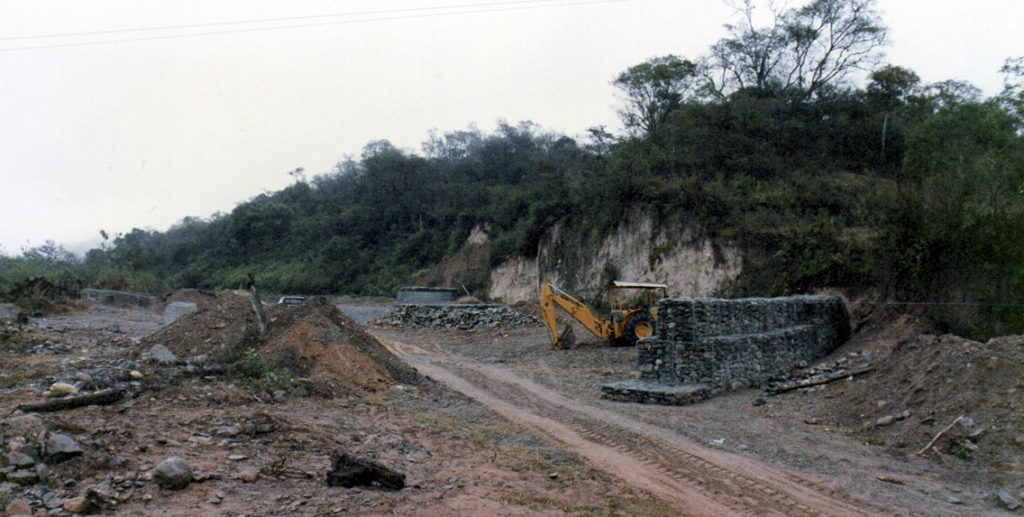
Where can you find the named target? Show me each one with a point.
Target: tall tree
(653, 89)
(889, 88)
(803, 50)
(1012, 97)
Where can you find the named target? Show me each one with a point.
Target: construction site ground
(506, 426)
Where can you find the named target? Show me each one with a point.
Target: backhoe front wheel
(639, 326)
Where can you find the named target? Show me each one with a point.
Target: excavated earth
(493, 422)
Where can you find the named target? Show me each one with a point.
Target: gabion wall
(455, 316)
(734, 344)
(426, 295)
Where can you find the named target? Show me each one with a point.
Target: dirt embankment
(922, 383)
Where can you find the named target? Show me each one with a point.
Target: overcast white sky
(144, 133)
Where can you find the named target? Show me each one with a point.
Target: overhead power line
(286, 23)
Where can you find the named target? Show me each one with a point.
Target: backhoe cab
(634, 312)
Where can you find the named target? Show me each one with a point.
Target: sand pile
(314, 341)
(319, 341)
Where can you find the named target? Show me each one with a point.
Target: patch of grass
(481, 435)
(254, 367)
(608, 506)
(960, 452)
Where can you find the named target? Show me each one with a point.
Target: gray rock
(885, 420)
(1011, 503)
(229, 430)
(161, 354)
(31, 450)
(61, 447)
(176, 310)
(10, 312)
(23, 477)
(174, 473)
(20, 460)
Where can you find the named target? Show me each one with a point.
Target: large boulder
(174, 473)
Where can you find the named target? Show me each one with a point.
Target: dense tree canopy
(915, 190)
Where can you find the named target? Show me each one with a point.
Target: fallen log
(818, 382)
(100, 398)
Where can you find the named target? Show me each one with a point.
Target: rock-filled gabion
(460, 317)
(725, 345)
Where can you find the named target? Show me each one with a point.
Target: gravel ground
(785, 431)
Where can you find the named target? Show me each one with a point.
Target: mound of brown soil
(924, 382)
(222, 327)
(314, 340)
(317, 340)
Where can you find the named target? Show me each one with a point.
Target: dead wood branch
(100, 398)
(818, 382)
(942, 432)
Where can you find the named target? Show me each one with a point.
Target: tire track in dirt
(698, 479)
(669, 450)
(608, 458)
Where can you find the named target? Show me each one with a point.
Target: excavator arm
(550, 296)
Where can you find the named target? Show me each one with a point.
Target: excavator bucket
(566, 339)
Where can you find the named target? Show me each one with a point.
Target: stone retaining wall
(121, 299)
(426, 295)
(734, 344)
(455, 316)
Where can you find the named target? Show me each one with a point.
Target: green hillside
(911, 190)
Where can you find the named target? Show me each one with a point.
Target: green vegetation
(914, 190)
(254, 367)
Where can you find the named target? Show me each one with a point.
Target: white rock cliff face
(638, 250)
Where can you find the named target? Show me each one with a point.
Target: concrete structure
(709, 345)
(121, 299)
(176, 310)
(426, 295)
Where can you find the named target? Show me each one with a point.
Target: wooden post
(257, 305)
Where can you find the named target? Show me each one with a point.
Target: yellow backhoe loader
(625, 324)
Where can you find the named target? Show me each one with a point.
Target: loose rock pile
(460, 317)
(30, 450)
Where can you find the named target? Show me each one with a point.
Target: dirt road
(698, 480)
(538, 440)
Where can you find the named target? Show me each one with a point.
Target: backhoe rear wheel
(639, 326)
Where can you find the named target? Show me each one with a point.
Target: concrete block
(176, 310)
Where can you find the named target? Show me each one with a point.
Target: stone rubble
(804, 373)
(455, 316)
(1009, 502)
